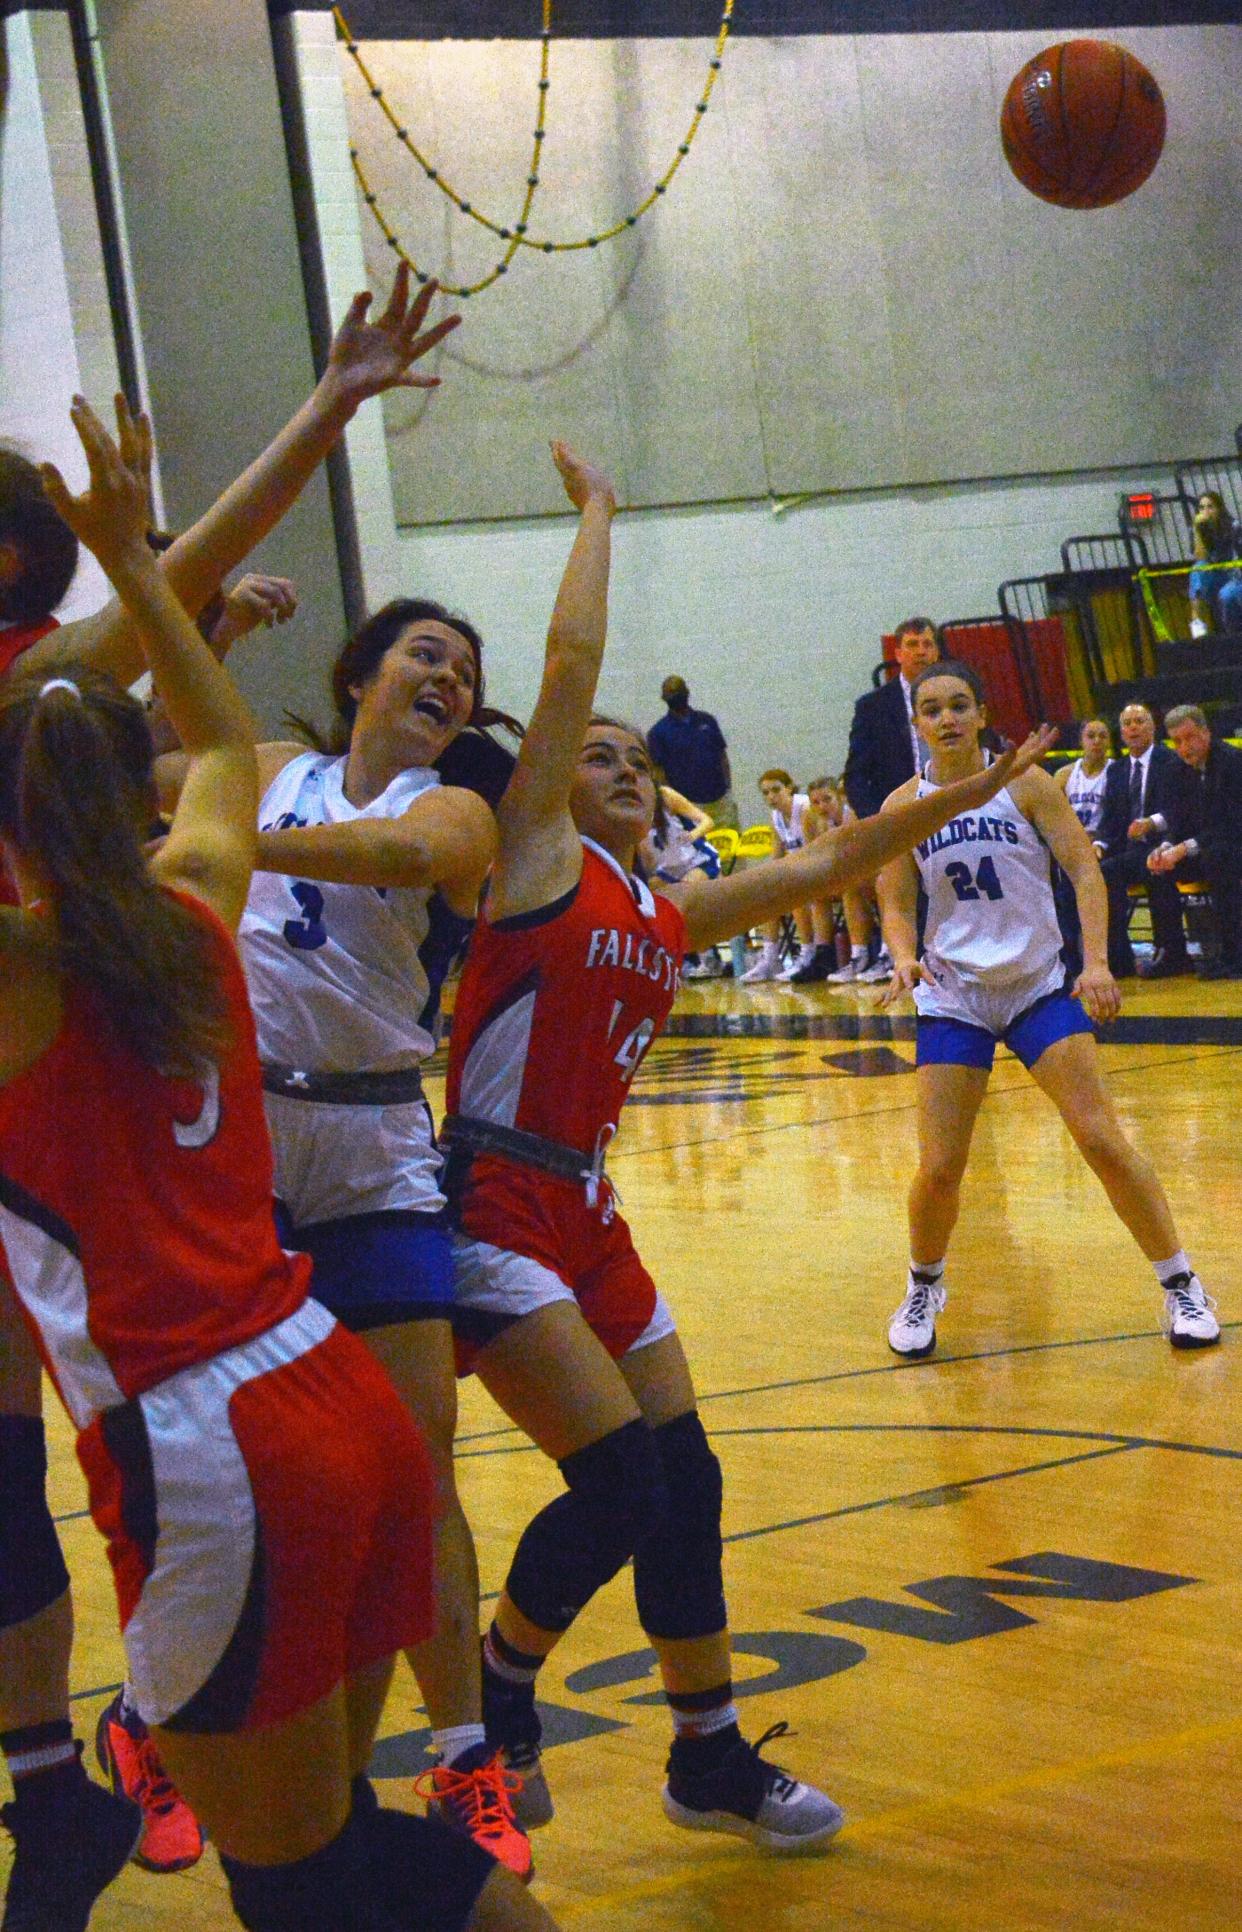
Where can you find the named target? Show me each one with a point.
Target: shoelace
(778, 1782)
(1190, 1299)
(483, 1799)
(154, 1789)
(920, 1299)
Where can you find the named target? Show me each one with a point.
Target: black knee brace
(32, 1569)
(321, 1893)
(580, 1541)
(427, 1874)
(678, 1585)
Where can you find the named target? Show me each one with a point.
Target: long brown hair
(361, 655)
(75, 795)
(474, 759)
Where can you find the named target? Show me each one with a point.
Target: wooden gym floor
(996, 1596)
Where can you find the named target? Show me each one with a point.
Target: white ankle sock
(453, 1743)
(925, 1270)
(1177, 1264)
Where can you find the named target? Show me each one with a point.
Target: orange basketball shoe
(476, 1797)
(171, 1838)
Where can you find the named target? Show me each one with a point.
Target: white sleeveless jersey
(987, 876)
(677, 854)
(1086, 795)
(343, 978)
(791, 831)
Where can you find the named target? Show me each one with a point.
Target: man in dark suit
(883, 749)
(1139, 806)
(1205, 837)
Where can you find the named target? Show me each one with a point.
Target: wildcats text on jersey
(976, 828)
(631, 954)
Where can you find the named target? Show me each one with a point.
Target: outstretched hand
(1008, 765)
(112, 516)
(582, 480)
(369, 356)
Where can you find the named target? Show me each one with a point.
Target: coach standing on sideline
(884, 746)
(690, 749)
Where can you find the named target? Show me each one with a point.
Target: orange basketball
(1083, 124)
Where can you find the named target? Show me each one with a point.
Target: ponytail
(75, 795)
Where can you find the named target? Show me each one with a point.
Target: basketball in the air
(1083, 124)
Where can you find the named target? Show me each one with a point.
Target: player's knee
(678, 1582)
(620, 1475)
(1100, 1141)
(941, 1171)
(578, 1543)
(32, 1568)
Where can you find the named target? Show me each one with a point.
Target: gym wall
(773, 613)
(764, 335)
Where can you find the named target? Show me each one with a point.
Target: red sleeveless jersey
(136, 1211)
(557, 1008)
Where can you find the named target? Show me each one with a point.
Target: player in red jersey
(38, 556)
(265, 1497)
(571, 974)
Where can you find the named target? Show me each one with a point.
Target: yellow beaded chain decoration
(517, 236)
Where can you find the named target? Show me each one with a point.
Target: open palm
(369, 356)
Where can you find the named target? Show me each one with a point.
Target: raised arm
(851, 854)
(366, 358)
(210, 849)
(540, 855)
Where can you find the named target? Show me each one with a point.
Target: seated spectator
(677, 842)
(1083, 782)
(1205, 837)
(1215, 592)
(675, 847)
(816, 956)
(829, 807)
(1139, 794)
(690, 749)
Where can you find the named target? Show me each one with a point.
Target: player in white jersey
(790, 810)
(367, 878)
(1083, 782)
(992, 969)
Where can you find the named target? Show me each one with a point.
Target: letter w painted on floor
(966, 1606)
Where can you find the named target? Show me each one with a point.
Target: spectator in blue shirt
(689, 747)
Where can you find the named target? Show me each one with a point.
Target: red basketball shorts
(268, 1515)
(526, 1239)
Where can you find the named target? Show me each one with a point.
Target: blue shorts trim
(952, 1043)
(946, 1042)
(393, 1265)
